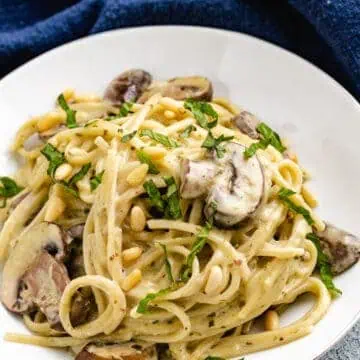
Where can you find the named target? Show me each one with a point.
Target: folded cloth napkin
(326, 32)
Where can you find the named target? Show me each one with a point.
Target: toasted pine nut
(131, 254)
(77, 156)
(156, 153)
(137, 176)
(63, 171)
(50, 120)
(271, 321)
(55, 208)
(309, 197)
(137, 219)
(101, 143)
(169, 114)
(132, 280)
(214, 280)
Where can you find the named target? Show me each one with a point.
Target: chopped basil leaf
(251, 150)
(268, 137)
(70, 114)
(95, 181)
(145, 159)
(212, 143)
(201, 239)
(323, 265)
(284, 196)
(217, 358)
(167, 264)
(8, 189)
(200, 109)
(186, 133)
(154, 195)
(144, 303)
(128, 137)
(160, 138)
(70, 185)
(125, 109)
(271, 136)
(79, 175)
(54, 156)
(172, 198)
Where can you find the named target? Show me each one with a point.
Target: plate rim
(340, 89)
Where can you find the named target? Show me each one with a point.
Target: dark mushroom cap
(247, 123)
(128, 86)
(341, 247)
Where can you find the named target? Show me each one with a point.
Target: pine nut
(55, 209)
(63, 171)
(101, 143)
(132, 280)
(271, 321)
(169, 114)
(50, 120)
(137, 176)
(214, 280)
(156, 153)
(131, 254)
(137, 219)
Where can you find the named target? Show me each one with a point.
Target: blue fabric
(326, 32)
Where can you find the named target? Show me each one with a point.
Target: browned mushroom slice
(44, 284)
(181, 88)
(127, 351)
(247, 123)
(341, 247)
(194, 87)
(238, 188)
(196, 177)
(33, 267)
(128, 86)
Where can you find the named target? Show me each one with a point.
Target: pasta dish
(161, 222)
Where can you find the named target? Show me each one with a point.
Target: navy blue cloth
(326, 32)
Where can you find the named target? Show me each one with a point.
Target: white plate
(304, 104)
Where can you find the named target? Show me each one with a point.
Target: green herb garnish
(95, 180)
(201, 110)
(284, 195)
(70, 186)
(212, 143)
(145, 159)
(144, 303)
(187, 131)
(201, 239)
(154, 195)
(125, 109)
(8, 189)
(172, 199)
(70, 114)
(167, 264)
(54, 156)
(323, 265)
(128, 137)
(217, 358)
(268, 137)
(160, 138)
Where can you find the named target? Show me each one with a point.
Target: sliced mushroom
(238, 187)
(128, 86)
(247, 123)
(43, 285)
(341, 247)
(181, 88)
(196, 177)
(234, 185)
(81, 308)
(127, 351)
(33, 274)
